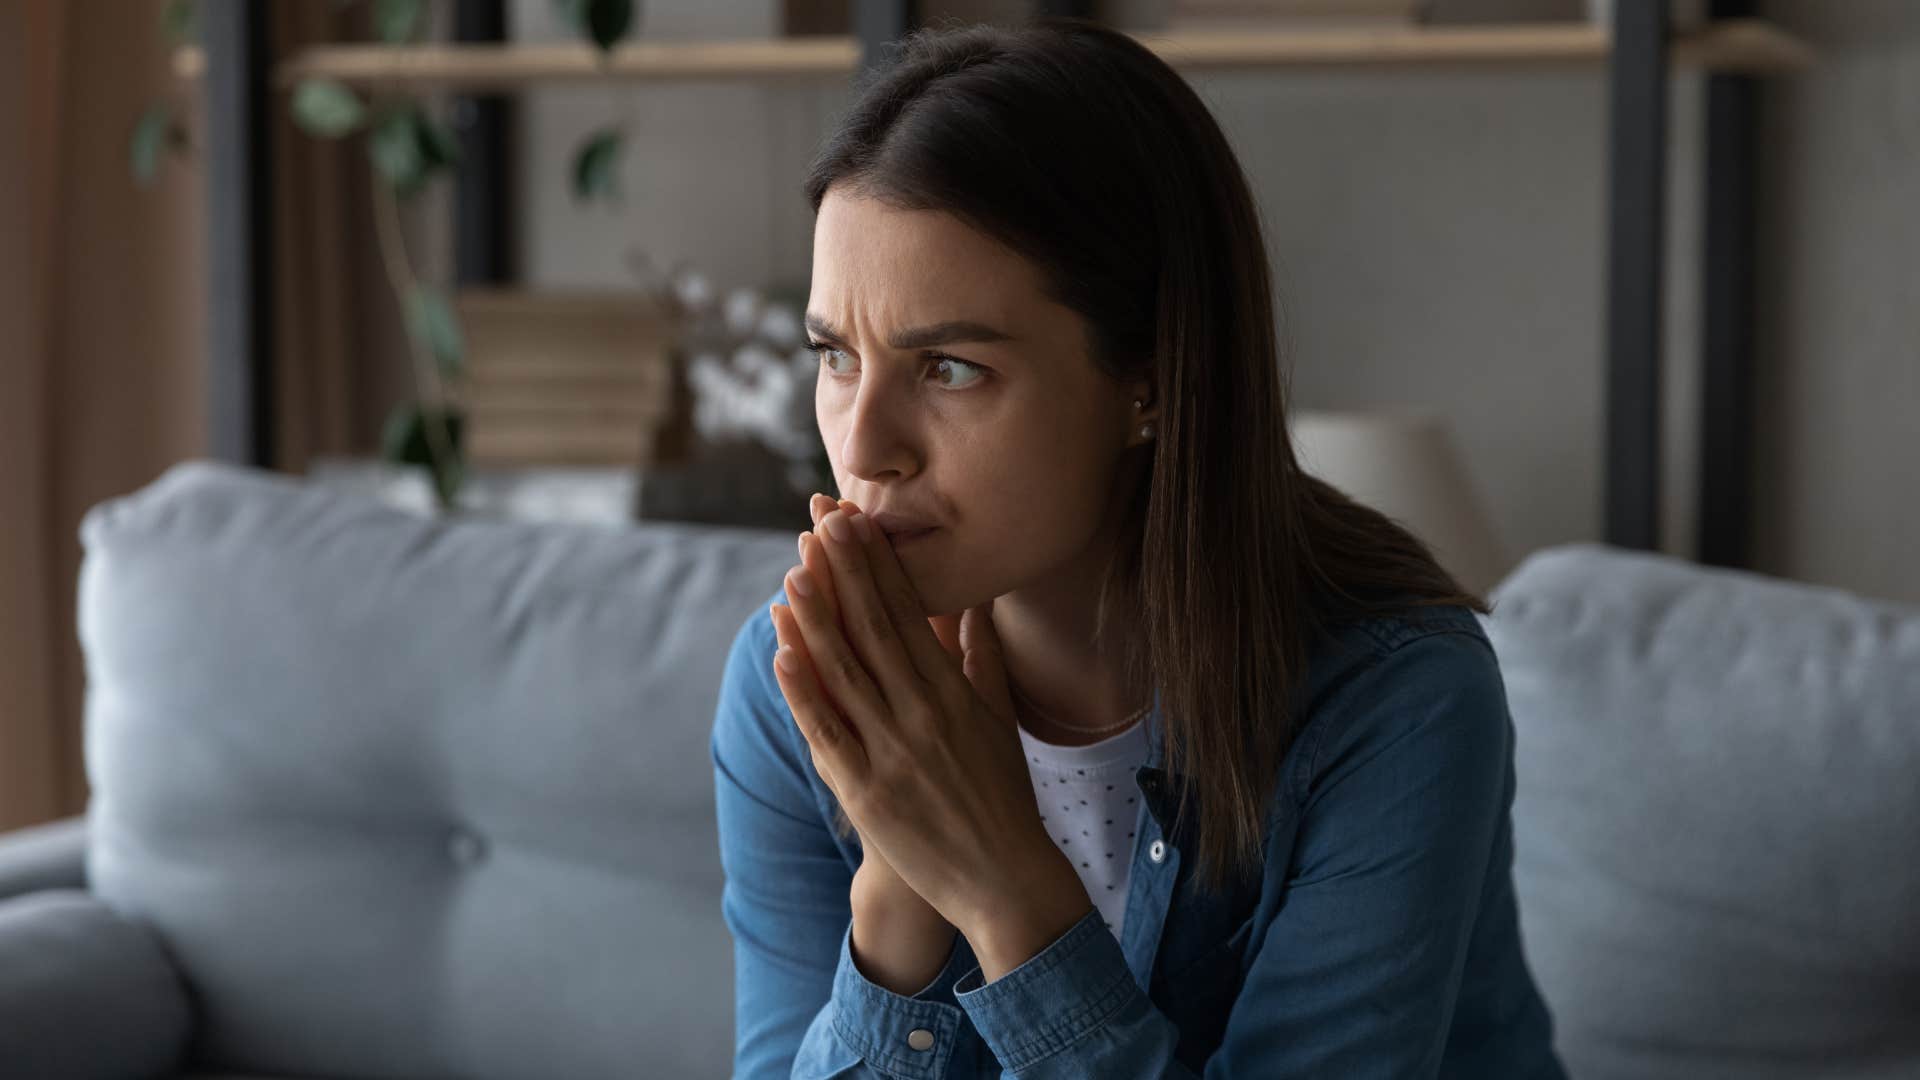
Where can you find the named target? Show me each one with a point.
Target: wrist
(1016, 931)
(881, 895)
(899, 948)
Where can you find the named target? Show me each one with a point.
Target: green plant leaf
(394, 145)
(431, 320)
(179, 22)
(437, 145)
(596, 166)
(396, 21)
(604, 22)
(149, 141)
(327, 108)
(403, 441)
(409, 147)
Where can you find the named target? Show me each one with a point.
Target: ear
(1142, 410)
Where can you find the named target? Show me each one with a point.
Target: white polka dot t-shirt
(1089, 802)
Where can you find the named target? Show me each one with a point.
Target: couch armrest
(49, 856)
(86, 992)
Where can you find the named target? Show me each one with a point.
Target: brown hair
(1076, 146)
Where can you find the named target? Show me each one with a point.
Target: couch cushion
(415, 797)
(1717, 816)
(85, 993)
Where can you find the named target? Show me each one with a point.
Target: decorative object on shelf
(752, 450)
(1235, 15)
(565, 377)
(1403, 463)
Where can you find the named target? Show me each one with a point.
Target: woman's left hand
(918, 744)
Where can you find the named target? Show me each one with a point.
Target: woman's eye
(824, 352)
(950, 363)
(953, 361)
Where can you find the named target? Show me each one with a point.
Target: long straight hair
(1080, 149)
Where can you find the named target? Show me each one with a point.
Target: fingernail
(789, 662)
(801, 542)
(837, 527)
(801, 581)
(862, 526)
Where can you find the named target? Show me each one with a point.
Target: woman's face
(997, 429)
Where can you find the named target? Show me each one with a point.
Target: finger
(818, 505)
(891, 581)
(984, 662)
(840, 669)
(932, 657)
(836, 750)
(813, 556)
(947, 629)
(787, 632)
(872, 621)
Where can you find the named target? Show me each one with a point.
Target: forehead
(874, 261)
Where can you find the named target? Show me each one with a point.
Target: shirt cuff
(880, 1025)
(1071, 987)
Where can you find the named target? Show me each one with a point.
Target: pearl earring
(1146, 431)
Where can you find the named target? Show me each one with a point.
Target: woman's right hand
(900, 940)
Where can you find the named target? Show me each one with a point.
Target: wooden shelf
(1745, 45)
(1752, 46)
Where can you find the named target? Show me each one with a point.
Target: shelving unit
(1637, 53)
(1750, 46)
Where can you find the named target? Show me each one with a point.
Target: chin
(948, 597)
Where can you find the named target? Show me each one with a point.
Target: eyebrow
(920, 337)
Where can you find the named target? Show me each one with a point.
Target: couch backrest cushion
(1717, 824)
(415, 797)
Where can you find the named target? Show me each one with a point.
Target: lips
(897, 525)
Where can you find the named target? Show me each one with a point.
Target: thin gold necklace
(1136, 715)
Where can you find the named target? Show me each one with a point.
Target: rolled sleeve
(1076, 994)
(873, 1024)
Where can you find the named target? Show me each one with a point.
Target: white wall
(1839, 329)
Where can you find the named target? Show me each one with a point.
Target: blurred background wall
(101, 376)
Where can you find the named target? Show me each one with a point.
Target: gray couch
(376, 795)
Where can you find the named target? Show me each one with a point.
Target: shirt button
(1158, 852)
(920, 1039)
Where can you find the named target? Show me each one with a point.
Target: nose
(878, 441)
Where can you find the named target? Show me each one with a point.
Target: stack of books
(565, 378)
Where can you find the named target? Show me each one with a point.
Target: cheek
(1036, 500)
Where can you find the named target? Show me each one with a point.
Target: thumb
(982, 659)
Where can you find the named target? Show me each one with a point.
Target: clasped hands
(910, 723)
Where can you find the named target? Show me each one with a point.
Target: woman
(1090, 737)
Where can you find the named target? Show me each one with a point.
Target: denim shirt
(1380, 939)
